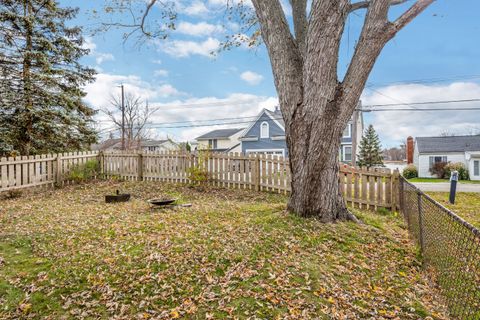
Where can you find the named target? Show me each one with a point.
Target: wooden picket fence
(44, 170)
(363, 188)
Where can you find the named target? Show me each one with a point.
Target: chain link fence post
(420, 223)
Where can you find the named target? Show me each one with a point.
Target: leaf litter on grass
(234, 254)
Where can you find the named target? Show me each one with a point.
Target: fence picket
(362, 188)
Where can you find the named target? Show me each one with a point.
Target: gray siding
(265, 143)
(275, 130)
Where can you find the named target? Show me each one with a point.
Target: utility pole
(355, 133)
(123, 117)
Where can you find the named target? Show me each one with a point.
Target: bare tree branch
(410, 14)
(137, 114)
(364, 4)
(376, 32)
(300, 22)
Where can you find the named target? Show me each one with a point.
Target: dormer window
(264, 130)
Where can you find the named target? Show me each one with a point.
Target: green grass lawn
(441, 180)
(467, 205)
(233, 254)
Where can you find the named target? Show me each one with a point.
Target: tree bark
(315, 169)
(26, 115)
(316, 106)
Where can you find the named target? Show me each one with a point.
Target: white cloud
(160, 73)
(199, 29)
(196, 8)
(100, 57)
(395, 126)
(182, 49)
(157, 61)
(197, 110)
(105, 85)
(251, 77)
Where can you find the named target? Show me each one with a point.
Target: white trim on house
(264, 130)
(258, 118)
(276, 121)
(476, 169)
(349, 126)
(343, 152)
(277, 138)
(247, 151)
(249, 139)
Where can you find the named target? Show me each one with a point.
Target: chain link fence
(448, 244)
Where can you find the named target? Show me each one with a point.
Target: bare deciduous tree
(316, 104)
(137, 114)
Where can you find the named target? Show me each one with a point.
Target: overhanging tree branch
(410, 14)
(376, 32)
(364, 4)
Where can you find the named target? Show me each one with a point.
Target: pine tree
(41, 108)
(370, 149)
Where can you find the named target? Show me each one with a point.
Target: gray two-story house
(267, 135)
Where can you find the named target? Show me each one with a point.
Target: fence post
(420, 221)
(257, 173)
(400, 196)
(395, 191)
(101, 160)
(58, 170)
(140, 167)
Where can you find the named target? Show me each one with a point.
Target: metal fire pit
(162, 202)
(119, 197)
(166, 203)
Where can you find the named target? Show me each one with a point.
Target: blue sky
(440, 45)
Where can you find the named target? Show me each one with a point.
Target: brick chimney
(410, 150)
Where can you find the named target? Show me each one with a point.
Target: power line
(206, 104)
(418, 109)
(252, 119)
(422, 103)
(425, 80)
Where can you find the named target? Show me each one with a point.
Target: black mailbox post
(453, 186)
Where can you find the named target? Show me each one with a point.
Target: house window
(347, 153)
(264, 130)
(347, 133)
(212, 143)
(436, 159)
(275, 152)
(476, 168)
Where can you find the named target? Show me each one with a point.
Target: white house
(221, 140)
(430, 150)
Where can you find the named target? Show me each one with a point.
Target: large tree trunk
(313, 141)
(315, 187)
(316, 106)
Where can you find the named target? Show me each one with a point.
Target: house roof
(448, 144)
(276, 115)
(220, 133)
(116, 143)
(151, 143)
(109, 143)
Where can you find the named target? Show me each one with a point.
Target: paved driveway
(445, 187)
